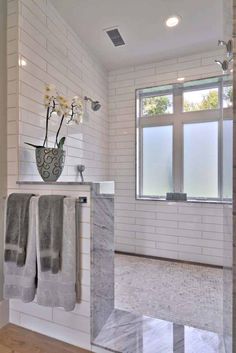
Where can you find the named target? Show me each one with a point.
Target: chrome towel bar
(80, 199)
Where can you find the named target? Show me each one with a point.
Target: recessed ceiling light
(180, 79)
(172, 21)
(231, 70)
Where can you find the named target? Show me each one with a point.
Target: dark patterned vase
(50, 162)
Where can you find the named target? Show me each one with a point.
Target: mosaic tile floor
(185, 294)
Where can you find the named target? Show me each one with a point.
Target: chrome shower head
(224, 65)
(95, 105)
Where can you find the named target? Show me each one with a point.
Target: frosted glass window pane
(157, 160)
(201, 159)
(227, 158)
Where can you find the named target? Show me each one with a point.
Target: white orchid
(47, 100)
(57, 105)
(50, 89)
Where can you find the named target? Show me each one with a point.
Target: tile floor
(181, 293)
(126, 332)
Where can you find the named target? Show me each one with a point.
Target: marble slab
(125, 332)
(102, 261)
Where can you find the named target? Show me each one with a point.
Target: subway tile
(180, 247)
(212, 252)
(72, 320)
(57, 331)
(157, 252)
(14, 317)
(125, 248)
(82, 308)
(12, 20)
(33, 309)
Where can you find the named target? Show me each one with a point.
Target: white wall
(185, 231)
(3, 147)
(54, 54)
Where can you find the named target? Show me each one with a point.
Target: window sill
(205, 201)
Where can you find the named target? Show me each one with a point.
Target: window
(201, 159)
(201, 100)
(157, 101)
(227, 96)
(183, 144)
(157, 168)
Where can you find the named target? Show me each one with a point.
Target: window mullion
(178, 142)
(220, 143)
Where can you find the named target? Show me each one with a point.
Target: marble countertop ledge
(56, 183)
(99, 188)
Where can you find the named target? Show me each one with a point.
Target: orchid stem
(46, 134)
(59, 129)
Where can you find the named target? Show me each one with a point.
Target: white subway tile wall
(3, 142)
(39, 37)
(191, 232)
(42, 48)
(53, 54)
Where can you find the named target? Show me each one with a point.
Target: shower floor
(182, 293)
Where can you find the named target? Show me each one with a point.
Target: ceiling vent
(115, 36)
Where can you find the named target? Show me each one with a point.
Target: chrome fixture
(224, 65)
(228, 45)
(95, 105)
(81, 169)
(229, 53)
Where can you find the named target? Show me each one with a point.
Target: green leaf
(61, 143)
(32, 145)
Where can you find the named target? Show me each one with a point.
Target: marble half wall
(102, 261)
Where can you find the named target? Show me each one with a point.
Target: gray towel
(50, 232)
(17, 227)
(20, 282)
(59, 290)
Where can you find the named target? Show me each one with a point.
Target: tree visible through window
(157, 105)
(227, 96)
(204, 100)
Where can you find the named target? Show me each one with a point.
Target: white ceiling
(141, 24)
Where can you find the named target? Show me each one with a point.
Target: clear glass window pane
(227, 96)
(200, 100)
(227, 158)
(201, 159)
(157, 160)
(157, 105)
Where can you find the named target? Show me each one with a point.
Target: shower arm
(88, 99)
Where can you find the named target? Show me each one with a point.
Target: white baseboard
(4, 313)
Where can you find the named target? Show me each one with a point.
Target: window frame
(177, 119)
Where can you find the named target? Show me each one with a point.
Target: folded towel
(50, 232)
(17, 226)
(20, 282)
(59, 290)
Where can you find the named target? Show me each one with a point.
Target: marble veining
(102, 261)
(126, 332)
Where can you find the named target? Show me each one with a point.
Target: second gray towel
(17, 224)
(50, 232)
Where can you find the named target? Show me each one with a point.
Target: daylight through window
(184, 144)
